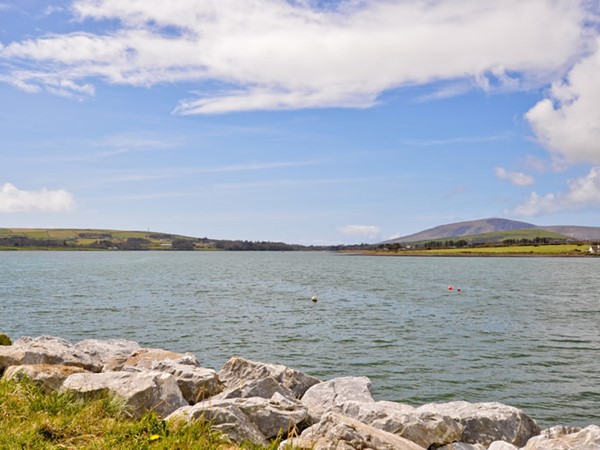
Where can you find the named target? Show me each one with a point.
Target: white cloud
(516, 178)
(14, 200)
(366, 231)
(582, 193)
(284, 55)
(568, 122)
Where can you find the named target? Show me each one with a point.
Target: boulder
(101, 351)
(338, 432)
(271, 417)
(263, 388)
(328, 395)
(48, 377)
(144, 358)
(501, 445)
(196, 383)
(228, 420)
(462, 446)
(45, 350)
(564, 438)
(485, 423)
(239, 371)
(423, 428)
(141, 391)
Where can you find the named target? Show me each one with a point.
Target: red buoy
(450, 288)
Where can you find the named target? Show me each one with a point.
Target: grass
(31, 419)
(529, 250)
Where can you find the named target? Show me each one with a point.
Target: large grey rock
(462, 446)
(338, 432)
(264, 388)
(487, 422)
(228, 420)
(196, 383)
(564, 438)
(328, 395)
(45, 350)
(501, 445)
(239, 371)
(140, 391)
(423, 428)
(49, 377)
(101, 351)
(271, 417)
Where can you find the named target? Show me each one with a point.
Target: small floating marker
(450, 288)
(458, 290)
(314, 299)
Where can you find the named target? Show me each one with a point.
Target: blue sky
(313, 122)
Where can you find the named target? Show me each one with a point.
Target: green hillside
(500, 237)
(64, 238)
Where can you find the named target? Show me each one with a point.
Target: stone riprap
(258, 402)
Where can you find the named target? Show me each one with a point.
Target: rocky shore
(255, 401)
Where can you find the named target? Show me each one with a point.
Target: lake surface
(522, 331)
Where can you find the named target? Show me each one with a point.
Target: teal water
(523, 331)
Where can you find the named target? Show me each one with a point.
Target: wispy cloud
(272, 184)
(453, 140)
(13, 200)
(289, 55)
(365, 231)
(516, 178)
(169, 173)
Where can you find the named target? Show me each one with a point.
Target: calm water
(523, 331)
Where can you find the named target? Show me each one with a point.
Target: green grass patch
(31, 419)
(541, 250)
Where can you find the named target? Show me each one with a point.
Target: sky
(302, 121)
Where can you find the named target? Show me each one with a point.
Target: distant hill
(496, 229)
(583, 233)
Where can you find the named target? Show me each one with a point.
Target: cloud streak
(273, 55)
(14, 200)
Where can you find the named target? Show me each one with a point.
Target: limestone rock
(563, 438)
(487, 422)
(196, 383)
(45, 350)
(101, 351)
(264, 388)
(228, 420)
(144, 358)
(140, 391)
(238, 371)
(325, 396)
(338, 432)
(269, 416)
(48, 377)
(501, 445)
(462, 446)
(423, 428)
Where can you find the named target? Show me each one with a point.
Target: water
(522, 331)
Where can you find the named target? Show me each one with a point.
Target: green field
(516, 250)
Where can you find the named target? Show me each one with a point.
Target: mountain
(583, 233)
(459, 229)
(496, 225)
